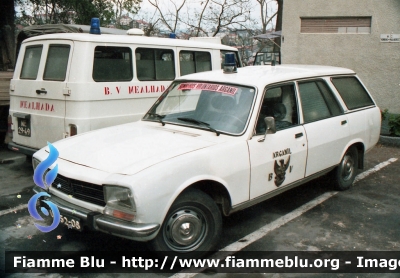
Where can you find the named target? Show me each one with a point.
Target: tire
(193, 223)
(346, 171)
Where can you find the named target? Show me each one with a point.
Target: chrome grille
(80, 190)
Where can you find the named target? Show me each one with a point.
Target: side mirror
(270, 124)
(270, 127)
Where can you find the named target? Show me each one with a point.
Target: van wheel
(345, 173)
(193, 223)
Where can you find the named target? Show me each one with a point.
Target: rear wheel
(345, 173)
(193, 223)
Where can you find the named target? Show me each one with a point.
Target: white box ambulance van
(67, 84)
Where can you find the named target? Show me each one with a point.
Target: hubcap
(185, 230)
(347, 167)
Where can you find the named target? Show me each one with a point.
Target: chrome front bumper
(97, 221)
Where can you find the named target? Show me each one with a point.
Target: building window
(336, 25)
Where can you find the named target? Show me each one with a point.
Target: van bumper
(21, 149)
(97, 221)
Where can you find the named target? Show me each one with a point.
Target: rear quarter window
(352, 92)
(30, 65)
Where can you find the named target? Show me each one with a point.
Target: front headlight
(119, 202)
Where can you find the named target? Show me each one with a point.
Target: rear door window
(57, 62)
(317, 101)
(30, 65)
(112, 64)
(353, 93)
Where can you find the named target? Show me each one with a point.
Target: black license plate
(71, 222)
(24, 127)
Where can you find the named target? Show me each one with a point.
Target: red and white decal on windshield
(209, 87)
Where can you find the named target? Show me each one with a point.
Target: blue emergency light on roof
(172, 36)
(95, 26)
(230, 63)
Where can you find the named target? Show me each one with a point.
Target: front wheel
(345, 173)
(193, 223)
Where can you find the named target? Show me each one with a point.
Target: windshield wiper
(197, 122)
(158, 116)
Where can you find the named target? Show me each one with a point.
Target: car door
(325, 124)
(280, 158)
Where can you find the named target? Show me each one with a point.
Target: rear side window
(155, 64)
(56, 63)
(112, 64)
(352, 92)
(317, 101)
(30, 65)
(194, 61)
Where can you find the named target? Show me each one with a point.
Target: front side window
(30, 65)
(317, 101)
(57, 62)
(216, 107)
(112, 64)
(155, 64)
(194, 61)
(280, 103)
(352, 92)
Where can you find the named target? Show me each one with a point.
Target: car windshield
(220, 108)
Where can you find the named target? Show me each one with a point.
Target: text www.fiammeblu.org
(236, 263)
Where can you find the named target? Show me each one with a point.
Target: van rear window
(30, 65)
(56, 63)
(352, 92)
(112, 64)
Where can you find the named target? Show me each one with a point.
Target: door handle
(298, 135)
(41, 91)
(344, 122)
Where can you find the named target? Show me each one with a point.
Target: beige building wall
(377, 63)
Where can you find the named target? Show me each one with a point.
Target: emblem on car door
(280, 170)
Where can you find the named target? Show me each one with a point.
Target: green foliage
(394, 125)
(72, 11)
(393, 121)
(384, 114)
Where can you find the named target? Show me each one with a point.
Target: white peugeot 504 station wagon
(212, 144)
